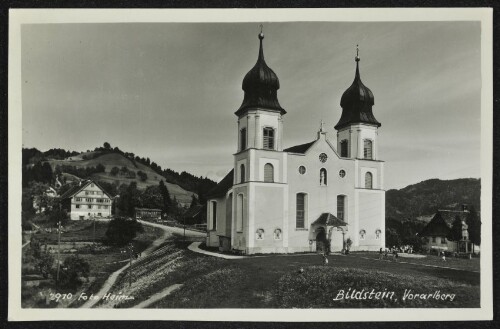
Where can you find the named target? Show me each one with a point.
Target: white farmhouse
(305, 197)
(86, 201)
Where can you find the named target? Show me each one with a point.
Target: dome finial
(357, 53)
(261, 34)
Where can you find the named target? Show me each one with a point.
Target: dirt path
(167, 232)
(156, 297)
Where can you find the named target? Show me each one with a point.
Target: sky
(168, 91)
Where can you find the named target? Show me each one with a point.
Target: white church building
(306, 197)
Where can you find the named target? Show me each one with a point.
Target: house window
(86, 192)
(343, 148)
(105, 207)
(300, 210)
(259, 234)
(362, 234)
(77, 206)
(78, 199)
(89, 199)
(341, 201)
(367, 150)
(433, 239)
(302, 170)
(277, 234)
(89, 206)
(99, 207)
(92, 185)
(268, 173)
(443, 240)
(242, 173)
(243, 139)
(268, 138)
(239, 213)
(323, 179)
(99, 214)
(368, 180)
(214, 215)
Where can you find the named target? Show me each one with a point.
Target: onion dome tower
(357, 102)
(357, 129)
(261, 86)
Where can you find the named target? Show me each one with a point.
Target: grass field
(277, 282)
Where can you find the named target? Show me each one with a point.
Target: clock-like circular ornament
(323, 157)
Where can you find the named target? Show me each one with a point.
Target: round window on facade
(342, 173)
(302, 170)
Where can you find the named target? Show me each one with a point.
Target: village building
(305, 197)
(435, 233)
(87, 200)
(147, 213)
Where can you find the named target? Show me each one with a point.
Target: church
(319, 195)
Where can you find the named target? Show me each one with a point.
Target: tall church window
(368, 180)
(300, 210)
(268, 173)
(367, 150)
(341, 206)
(343, 148)
(214, 215)
(268, 138)
(239, 213)
(323, 177)
(242, 173)
(243, 139)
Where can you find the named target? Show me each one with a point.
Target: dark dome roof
(356, 103)
(261, 86)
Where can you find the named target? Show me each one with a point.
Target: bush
(72, 271)
(114, 171)
(45, 264)
(121, 231)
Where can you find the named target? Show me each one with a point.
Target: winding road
(167, 232)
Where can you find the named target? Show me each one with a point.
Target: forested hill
(113, 166)
(424, 198)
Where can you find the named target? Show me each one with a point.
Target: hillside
(110, 160)
(419, 201)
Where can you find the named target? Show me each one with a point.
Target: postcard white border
(31, 16)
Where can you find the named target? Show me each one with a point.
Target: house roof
(75, 189)
(193, 211)
(329, 220)
(147, 209)
(302, 148)
(222, 187)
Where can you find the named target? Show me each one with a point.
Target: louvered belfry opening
(368, 149)
(368, 180)
(268, 142)
(243, 139)
(343, 149)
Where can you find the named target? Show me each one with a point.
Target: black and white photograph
(258, 165)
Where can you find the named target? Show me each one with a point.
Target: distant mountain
(419, 201)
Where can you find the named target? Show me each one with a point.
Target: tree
(45, 264)
(194, 201)
(100, 168)
(142, 175)
(130, 197)
(474, 228)
(152, 198)
(392, 238)
(121, 231)
(455, 233)
(114, 171)
(167, 202)
(107, 146)
(72, 270)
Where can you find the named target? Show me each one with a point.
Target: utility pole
(130, 252)
(58, 251)
(184, 229)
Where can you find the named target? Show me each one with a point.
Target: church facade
(314, 196)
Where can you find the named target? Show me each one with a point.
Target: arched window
(341, 207)
(242, 173)
(368, 180)
(367, 150)
(300, 217)
(214, 215)
(268, 142)
(239, 213)
(268, 173)
(343, 148)
(323, 177)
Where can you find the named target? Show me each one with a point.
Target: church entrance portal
(321, 241)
